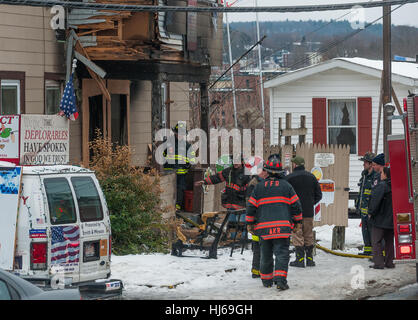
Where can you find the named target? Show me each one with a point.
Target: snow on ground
(163, 276)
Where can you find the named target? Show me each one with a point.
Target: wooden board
(336, 213)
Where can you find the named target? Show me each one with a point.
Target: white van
(63, 229)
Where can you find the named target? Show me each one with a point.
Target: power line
(149, 8)
(337, 42)
(327, 48)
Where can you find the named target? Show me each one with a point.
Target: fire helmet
(273, 165)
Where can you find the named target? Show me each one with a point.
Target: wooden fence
(336, 213)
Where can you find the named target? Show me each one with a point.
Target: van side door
(95, 229)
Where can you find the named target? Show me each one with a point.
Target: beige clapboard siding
(29, 69)
(27, 44)
(75, 142)
(140, 120)
(296, 98)
(140, 114)
(22, 10)
(179, 108)
(34, 83)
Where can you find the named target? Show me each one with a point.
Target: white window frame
(350, 126)
(51, 84)
(12, 83)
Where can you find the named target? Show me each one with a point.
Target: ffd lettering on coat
(272, 183)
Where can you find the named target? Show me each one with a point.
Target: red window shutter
(364, 107)
(319, 120)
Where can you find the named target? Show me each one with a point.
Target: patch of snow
(163, 276)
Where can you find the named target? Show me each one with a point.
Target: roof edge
(331, 64)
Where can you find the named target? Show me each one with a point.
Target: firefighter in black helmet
(272, 210)
(179, 157)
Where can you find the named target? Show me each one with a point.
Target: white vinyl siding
(296, 98)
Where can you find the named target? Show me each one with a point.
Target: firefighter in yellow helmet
(179, 158)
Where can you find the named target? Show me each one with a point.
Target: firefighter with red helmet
(273, 209)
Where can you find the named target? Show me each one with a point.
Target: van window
(88, 199)
(60, 201)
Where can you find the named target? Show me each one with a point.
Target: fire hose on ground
(348, 255)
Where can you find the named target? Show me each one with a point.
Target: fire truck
(403, 157)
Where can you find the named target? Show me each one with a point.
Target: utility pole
(232, 70)
(261, 68)
(387, 76)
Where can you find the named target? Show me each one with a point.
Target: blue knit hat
(379, 159)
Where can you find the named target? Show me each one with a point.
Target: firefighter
(378, 163)
(255, 240)
(368, 176)
(309, 192)
(233, 198)
(381, 218)
(178, 160)
(273, 209)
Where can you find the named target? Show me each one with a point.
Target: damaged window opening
(119, 122)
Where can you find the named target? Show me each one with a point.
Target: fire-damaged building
(133, 73)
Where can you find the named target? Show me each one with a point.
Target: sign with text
(9, 138)
(10, 179)
(324, 159)
(328, 191)
(45, 140)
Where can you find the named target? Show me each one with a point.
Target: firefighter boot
(309, 256)
(300, 258)
(282, 285)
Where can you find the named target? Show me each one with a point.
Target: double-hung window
(10, 96)
(342, 123)
(52, 96)
(12, 92)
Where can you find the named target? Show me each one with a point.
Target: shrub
(133, 199)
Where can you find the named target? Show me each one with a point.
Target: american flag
(65, 244)
(68, 102)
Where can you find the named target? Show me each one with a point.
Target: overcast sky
(406, 15)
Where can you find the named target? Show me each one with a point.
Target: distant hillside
(283, 35)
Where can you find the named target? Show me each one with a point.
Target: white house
(340, 99)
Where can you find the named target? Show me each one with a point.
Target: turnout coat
(274, 208)
(177, 156)
(233, 197)
(365, 184)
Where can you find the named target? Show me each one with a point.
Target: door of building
(110, 117)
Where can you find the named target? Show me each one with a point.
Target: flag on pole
(68, 101)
